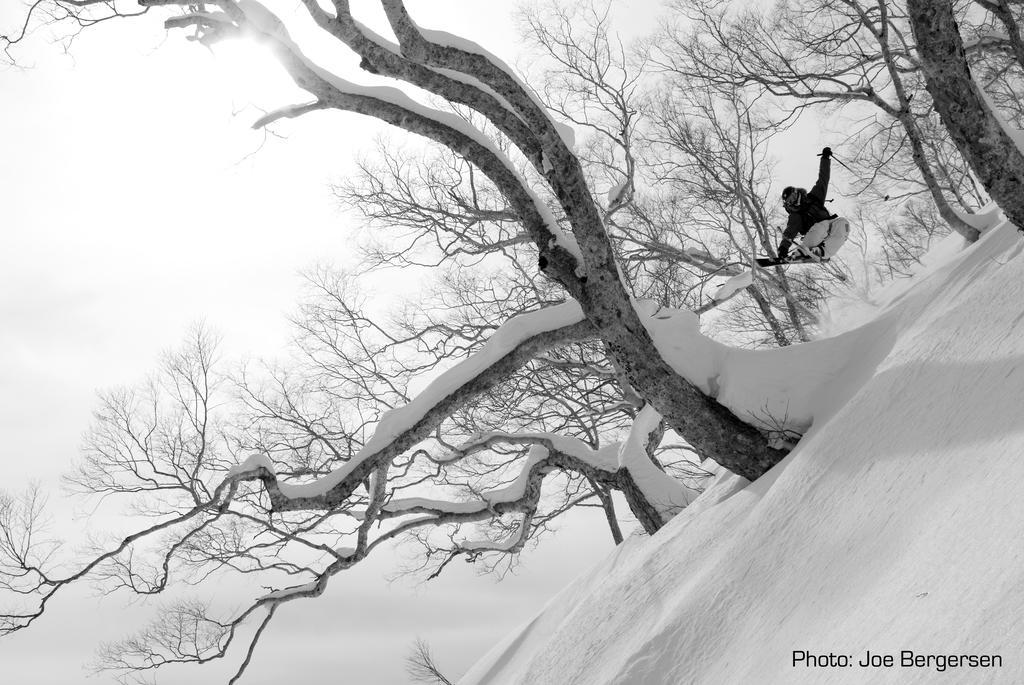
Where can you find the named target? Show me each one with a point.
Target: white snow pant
(830, 234)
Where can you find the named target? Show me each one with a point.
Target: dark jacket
(812, 209)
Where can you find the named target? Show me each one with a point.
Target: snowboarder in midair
(823, 232)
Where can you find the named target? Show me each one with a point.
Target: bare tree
(1000, 34)
(811, 53)
(708, 147)
(422, 668)
(685, 168)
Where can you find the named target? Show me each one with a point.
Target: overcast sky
(136, 201)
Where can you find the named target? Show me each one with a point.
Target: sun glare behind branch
(252, 75)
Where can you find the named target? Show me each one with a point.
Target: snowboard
(797, 259)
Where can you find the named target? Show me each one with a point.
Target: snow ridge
(894, 524)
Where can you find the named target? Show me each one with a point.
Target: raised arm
(820, 188)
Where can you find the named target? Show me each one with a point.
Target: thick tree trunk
(709, 427)
(646, 514)
(992, 154)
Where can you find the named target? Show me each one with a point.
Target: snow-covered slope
(896, 524)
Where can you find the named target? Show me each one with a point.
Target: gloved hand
(784, 248)
(827, 152)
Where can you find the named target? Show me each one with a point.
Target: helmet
(792, 198)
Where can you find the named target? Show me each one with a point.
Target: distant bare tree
(422, 668)
(686, 172)
(907, 238)
(1000, 33)
(843, 52)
